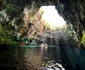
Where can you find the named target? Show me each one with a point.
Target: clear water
(32, 58)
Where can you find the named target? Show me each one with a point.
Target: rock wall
(33, 26)
(73, 11)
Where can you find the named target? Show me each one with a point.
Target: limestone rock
(52, 65)
(32, 26)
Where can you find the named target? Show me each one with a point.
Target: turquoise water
(32, 46)
(32, 57)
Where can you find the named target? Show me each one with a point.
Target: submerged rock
(52, 65)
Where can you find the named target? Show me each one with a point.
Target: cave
(42, 35)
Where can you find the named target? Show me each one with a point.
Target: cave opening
(52, 18)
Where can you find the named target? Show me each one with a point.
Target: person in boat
(44, 46)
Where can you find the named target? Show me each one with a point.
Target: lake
(33, 57)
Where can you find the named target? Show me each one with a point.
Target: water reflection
(33, 58)
(30, 58)
(72, 58)
(20, 59)
(43, 49)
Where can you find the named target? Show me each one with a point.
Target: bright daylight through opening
(53, 19)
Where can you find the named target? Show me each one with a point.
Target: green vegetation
(10, 18)
(83, 40)
(6, 36)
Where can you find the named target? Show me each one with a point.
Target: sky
(51, 16)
